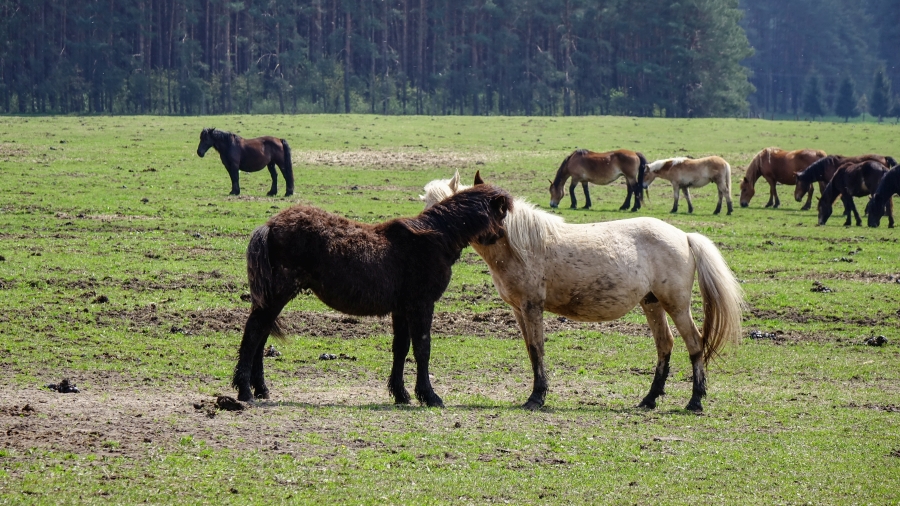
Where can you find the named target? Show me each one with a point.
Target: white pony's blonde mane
(528, 229)
(655, 166)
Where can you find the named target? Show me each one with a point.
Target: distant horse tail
(723, 298)
(259, 274)
(728, 177)
(288, 169)
(642, 168)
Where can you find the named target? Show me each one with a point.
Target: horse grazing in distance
(882, 201)
(823, 169)
(686, 173)
(399, 267)
(599, 272)
(858, 180)
(249, 155)
(777, 166)
(585, 167)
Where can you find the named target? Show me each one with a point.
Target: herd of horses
(538, 262)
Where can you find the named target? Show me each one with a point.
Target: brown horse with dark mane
(777, 166)
(823, 169)
(850, 181)
(585, 167)
(882, 201)
(249, 155)
(399, 267)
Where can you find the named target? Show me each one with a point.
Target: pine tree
(862, 105)
(812, 97)
(845, 105)
(880, 105)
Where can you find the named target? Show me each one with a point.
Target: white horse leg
(662, 334)
(694, 343)
(531, 321)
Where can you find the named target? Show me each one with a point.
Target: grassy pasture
(122, 268)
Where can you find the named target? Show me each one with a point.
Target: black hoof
(245, 396)
(271, 194)
(694, 406)
(532, 405)
(262, 394)
(289, 193)
(648, 403)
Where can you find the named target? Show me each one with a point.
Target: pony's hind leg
(662, 335)
(274, 190)
(249, 369)
(687, 196)
(694, 343)
(587, 195)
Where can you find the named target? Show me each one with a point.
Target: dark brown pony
(882, 201)
(777, 166)
(249, 155)
(823, 169)
(399, 267)
(585, 167)
(850, 181)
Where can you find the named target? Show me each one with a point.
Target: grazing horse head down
(249, 155)
(585, 167)
(587, 273)
(777, 166)
(882, 201)
(400, 267)
(823, 169)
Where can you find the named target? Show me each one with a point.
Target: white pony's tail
(723, 297)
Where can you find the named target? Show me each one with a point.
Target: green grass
(123, 268)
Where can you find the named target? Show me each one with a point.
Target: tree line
(640, 57)
(533, 57)
(821, 57)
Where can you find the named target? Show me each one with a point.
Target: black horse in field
(850, 181)
(823, 169)
(249, 155)
(401, 267)
(882, 201)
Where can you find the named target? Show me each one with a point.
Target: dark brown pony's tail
(288, 170)
(642, 168)
(259, 274)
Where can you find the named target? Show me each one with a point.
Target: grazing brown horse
(249, 155)
(850, 181)
(777, 166)
(585, 167)
(823, 169)
(399, 267)
(882, 201)
(686, 173)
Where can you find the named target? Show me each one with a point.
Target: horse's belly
(594, 307)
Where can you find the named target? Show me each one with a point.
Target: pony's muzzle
(553, 205)
(200, 153)
(745, 204)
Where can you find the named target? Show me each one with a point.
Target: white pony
(686, 173)
(599, 272)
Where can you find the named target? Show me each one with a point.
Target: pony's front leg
(420, 334)
(572, 194)
(234, 174)
(531, 322)
(665, 341)
(890, 212)
(773, 195)
(401, 350)
(850, 207)
(274, 190)
(587, 195)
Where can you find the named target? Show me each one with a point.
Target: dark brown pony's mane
(561, 174)
(457, 217)
(817, 168)
(754, 171)
(221, 138)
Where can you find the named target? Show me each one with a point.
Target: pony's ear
(551, 182)
(454, 182)
(500, 203)
(478, 179)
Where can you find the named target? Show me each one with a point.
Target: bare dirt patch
(393, 159)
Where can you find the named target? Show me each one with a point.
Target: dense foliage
(532, 57)
(389, 56)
